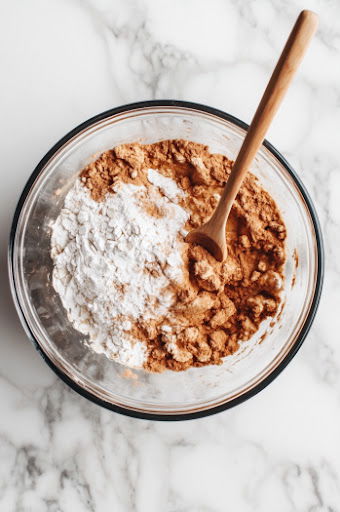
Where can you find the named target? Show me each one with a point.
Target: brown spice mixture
(218, 304)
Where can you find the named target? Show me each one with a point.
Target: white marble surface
(64, 61)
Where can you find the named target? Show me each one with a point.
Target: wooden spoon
(212, 235)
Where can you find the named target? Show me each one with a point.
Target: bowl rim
(319, 276)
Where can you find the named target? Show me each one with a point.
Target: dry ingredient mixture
(127, 279)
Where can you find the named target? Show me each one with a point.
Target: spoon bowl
(216, 244)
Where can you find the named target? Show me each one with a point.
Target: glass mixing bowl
(198, 391)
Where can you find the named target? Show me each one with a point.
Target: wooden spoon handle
(279, 82)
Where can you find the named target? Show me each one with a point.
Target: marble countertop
(62, 63)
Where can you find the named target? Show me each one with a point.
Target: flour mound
(114, 263)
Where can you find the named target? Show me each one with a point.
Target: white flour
(101, 252)
(166, 185)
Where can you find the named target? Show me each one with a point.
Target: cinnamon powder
(218, 305)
